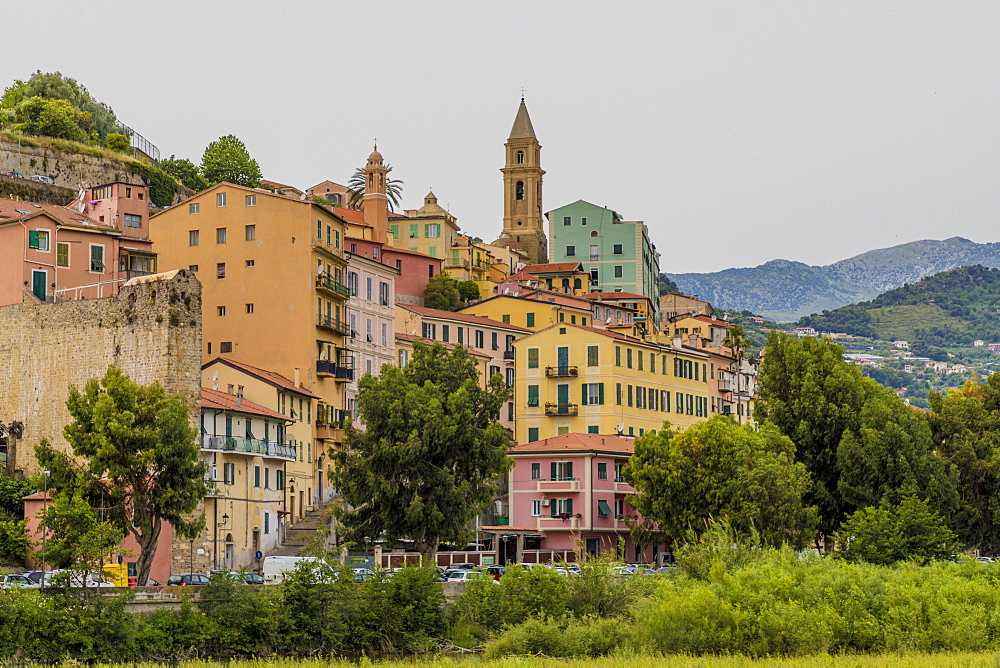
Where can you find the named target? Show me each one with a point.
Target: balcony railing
(508, 354)
(251, 446)
(327, 282)
(560, 371)
(561, 409)
(328, 368)
(457, 262)
(333, 325)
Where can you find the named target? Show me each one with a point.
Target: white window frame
(194, 208)
(536, 507)
(251, 200)
(103, 259)
(220, 200)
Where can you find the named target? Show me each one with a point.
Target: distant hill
(784, 290)
(947, 309)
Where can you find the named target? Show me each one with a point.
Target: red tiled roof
(270, 377)
(227, 402)
(523, 276)
(553, 268)
(708, 319)
(352, 216)
(463, 317)
(450, 346)
(276, 184)
(578, 443)
(559, 297)
(14, 211)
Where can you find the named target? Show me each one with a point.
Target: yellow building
(273, 295)
(576, 379)
(538, 309)
(430, 230)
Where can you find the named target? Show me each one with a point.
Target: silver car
(17, 582)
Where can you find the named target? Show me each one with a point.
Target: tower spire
(522, 178)
(375, 203)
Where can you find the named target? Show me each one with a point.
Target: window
(532, 358)
(220, 270)
(329, 234)
(368, 288)
(249, 263)
(618, 355)
(567, 220)
(530, 320)
(256, 476)
(404, 358)
(445, 333)
(639, 353)
(38, 239)
(536, 507)
(132, 220)
(220, 235)
(583, 221)
(385, 335)
(570, 251)
(249, 308)
(395, 231)
(194, 208)
(628, 394)
(602, 470)
(493, 341)
(479, 338)
(461, 334)
(429, 330)
(383, 293)
(519, 190)
(97, 258)
(352, 283)
(221, 310)
(229, 474)
(505, 318)
(251, 232)
(510, 377)
(194, 238)
(432, 230)
(618, 271)
(251, 200)
(592, 355)
(226, 347)
(536, 471)
(319, 229)
(628, 357)
(532, 396)
(561, 470)
(562, 507)
(532, 434)
(193, 267)
(279, 479)
(220, 199)
(617, 249)
(519, 156)
(593, 394)
(414, 230)
(62, 255)
(619, 473)
(267, 523)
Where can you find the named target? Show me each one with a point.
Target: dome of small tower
(375, 157)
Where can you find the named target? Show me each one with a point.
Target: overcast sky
(739, 131)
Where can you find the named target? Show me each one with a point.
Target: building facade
(523, 223)
(371, 313)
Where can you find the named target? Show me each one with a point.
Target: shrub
(561, 638)
(13, 541)
(118, 142)
(522, 593)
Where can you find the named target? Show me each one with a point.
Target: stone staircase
(303, 533)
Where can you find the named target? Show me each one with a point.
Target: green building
(617, 253)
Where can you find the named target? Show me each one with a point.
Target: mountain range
(784, 290)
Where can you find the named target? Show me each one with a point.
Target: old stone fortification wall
(152, 331)
(68, 169)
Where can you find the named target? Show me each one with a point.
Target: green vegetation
(442, 293)
(356, 189)
(162, 186)
(426, 462)
(227, 159)
(135, 457)
(56, 106)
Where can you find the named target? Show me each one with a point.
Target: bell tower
(375, 203)
(522, 189)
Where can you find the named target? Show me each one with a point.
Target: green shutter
(569, 470)
(532, 434)
(592, 355)
(532, 358)
(267, 522)
(569, 507)
(33, 239)
(553, 471)
(531, 320)
(618, 393)
(618, 355)
(593, 429)
(696, 371)
(256, 476)
(532, 395)
(583, 400)
(600, 393)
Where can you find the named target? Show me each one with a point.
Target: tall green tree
(846, 429)
(468, 291)
(79, 538)
(965, 428)
(426, 462)
(55, 86)
(227, 159)
(184, 171)
(53, 118)
(719, 469)
(907, 530)
(135, 456)
(442, 293)
(356, 189)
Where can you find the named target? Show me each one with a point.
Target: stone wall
(12, 187)
(68, 169)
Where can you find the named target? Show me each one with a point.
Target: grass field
(901, 322)
(943, 660)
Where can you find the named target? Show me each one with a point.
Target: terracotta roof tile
(19, 210)
(270, 377)
(352, 216)
(578, 443)
(462, 317)
(614, 295)
(227, 402)
(553, 268)
(450, 346)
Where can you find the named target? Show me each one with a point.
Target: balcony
(553, 410)
(333, 424)
(508, 354)
(561, 485)
(550, 522)
(326, 283)
(329, 369)
(457, 263)
(250, 446)
(333, 325)
(330, 249)
(560, 371)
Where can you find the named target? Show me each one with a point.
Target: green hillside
(946, 309)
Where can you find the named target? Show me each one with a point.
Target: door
(592, 547)
(39, 284)
(562, 355)
(562, 395)
(230, 552)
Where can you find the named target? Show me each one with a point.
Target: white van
(274, 568)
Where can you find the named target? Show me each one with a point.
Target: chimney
(296, 379)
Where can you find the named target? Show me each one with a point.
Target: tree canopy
(52, 86)
(135, 457)
(356, 189)
(719, 469)
(908, 530)
(185, 171)
(227, 159)
(426, 462)
(442, 293)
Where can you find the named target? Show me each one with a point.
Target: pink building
(85, 251)
(570, 489)
(126, 553)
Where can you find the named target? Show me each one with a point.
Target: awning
(603, 508)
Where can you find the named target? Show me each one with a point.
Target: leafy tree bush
(910, 530)
(523, 592)
(162, 186)
(13, 541)
(564, 637)
(468, 291)
(184, 171)
(118, 142)
(54, 86)
(53, 118)
(227, 159)
(442, 293)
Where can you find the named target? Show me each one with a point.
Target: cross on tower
(522, 93)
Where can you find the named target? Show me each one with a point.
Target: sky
(739, 131)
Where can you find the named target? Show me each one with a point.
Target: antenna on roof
(620, 428)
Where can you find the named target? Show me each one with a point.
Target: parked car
(16, 175)
(133, 581)
(496, 571)
(253, 578)
(43, 179)
(17, 582)
(187, 579)
(71, 578)
(34, 576)
(468, 576)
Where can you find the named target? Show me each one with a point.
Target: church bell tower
(523, 221)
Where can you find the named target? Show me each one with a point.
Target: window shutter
(583, 401)
(569, 470)
(569, 506)
(600, 393)
(33, 239)
(554, 470)
(256, 476)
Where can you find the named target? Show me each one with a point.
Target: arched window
(577, 284)
(371, 181)
(565, 282)
(520, 157)
(519, 190)
(593, 233)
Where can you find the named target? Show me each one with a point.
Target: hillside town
(265, 306)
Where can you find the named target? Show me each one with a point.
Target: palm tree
(356, 189)
(738, 343)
